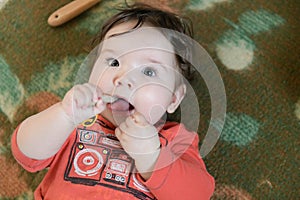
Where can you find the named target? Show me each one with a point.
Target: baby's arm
(176, 167)
(55, 124)
(141, 141)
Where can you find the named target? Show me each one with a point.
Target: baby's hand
(82, 102)
(140, 140)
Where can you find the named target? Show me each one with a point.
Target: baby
(106, 139)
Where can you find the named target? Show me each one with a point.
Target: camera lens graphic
(189, 107)
(88, 162)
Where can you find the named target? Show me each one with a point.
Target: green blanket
(254, 43)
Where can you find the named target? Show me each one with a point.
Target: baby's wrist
(146, 165)
(146, 162)
(66, 116)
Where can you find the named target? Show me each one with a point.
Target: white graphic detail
(138, 184)
(88, 158)
(110, 142)
(88, 137)
(118, 167)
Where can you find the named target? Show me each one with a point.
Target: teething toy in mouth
(109, 99)
(117, 104)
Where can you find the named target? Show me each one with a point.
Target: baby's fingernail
(98, 103)
(134, 118)
(137, 118)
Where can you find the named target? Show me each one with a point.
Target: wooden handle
(70, 11)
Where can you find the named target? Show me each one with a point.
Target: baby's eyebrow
(155, 61)
(152, 60)
(107, 51)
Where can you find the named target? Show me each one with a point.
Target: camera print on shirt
(97, 159)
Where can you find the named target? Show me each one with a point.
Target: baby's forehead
(124, 38)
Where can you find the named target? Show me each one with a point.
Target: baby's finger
(99, 106)
(138, 119)
(95, 90)
(80, 96)
(123, 127)
(92, 92)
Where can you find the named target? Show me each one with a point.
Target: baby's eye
(148, 71)
(113, 62)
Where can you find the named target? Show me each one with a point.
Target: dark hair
(144, 13)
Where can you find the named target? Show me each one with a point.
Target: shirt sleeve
(29, 164)
(180, 173)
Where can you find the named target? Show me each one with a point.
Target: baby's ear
(177, 98)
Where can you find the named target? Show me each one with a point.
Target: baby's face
(139, 68)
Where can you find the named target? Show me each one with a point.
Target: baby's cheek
(152, 105)
(155, 113)
(104, 83)
(152, 113)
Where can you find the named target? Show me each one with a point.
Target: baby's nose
(123, 80)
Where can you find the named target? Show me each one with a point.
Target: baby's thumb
(99, 106)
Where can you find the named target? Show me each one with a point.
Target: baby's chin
(116, 118)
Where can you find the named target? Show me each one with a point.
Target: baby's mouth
(121, 105)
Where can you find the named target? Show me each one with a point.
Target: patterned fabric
(254, 44)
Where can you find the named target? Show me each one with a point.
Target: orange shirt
(93, 165)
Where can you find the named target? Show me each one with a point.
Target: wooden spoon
(69, 11)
